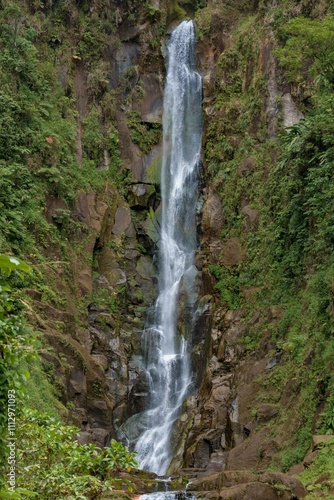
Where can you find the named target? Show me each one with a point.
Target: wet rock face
(126, 56)
(211, 433)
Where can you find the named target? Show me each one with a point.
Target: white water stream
(166, 355)
(168, 496)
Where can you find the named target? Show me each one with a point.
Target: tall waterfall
(165, 349)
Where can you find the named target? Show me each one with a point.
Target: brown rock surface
(212, 217)
(232, 252)
(97, 436)
(101, 361)
(89, 210)
(247, 455)
(150, 105)
(253, 491)
(247, 485)
(266, 411)
(219, 480)
(320, 439)
(251, 214)
(246, 166)
(293, 484)
(296, 470)
(309, 458)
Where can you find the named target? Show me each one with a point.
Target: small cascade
(165, 351)
(170, 495)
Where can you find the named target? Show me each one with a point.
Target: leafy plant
(228, 285)
(316, 38)
(321, 467)
(16, 343)
(145, 135)
(48, 446)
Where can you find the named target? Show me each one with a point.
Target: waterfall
(165, 350)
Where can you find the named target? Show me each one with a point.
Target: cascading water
(168, 496)
(166, 356)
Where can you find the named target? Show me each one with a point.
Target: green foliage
(153, 226)
(289, 181)
(308, 48)
(153, 12)
(99, 139)
(55, 466)
(236, 109)
(321, 467)
(251, 339)
(41, 388)
(38, 126)
(303, 189)
(203, 25)
(153, 171)
(289, 248)
(175, 12)
(111, 301)
(37, 133)
(16, 344)
(92, 136)
(327, 417)
(228, 285)
(9, 264)
(144, 134)
(93, 40)
(296, 451)
(216, 16)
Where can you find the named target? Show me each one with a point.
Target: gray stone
(126, 55)
(78, 382)
(117, 277)
(122, 220)
(139, 195)
(145, 267)
(291, 114)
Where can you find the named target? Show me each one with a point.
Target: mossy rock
(153, 171)
(175, 12)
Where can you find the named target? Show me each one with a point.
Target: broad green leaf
(9, 263)
(8, 494)
(28, 493)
